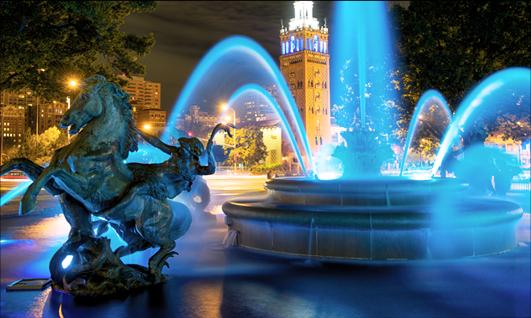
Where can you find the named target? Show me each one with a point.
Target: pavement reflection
(207, 280)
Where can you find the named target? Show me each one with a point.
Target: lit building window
(292, 44)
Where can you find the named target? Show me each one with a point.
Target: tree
(451, 46)
(249, 148)
(40, 148)
(44, 42)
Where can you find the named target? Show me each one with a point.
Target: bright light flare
(67, 261)
(73, 83)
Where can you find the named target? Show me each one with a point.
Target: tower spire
(303, 16)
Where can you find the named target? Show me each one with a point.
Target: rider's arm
(156, 142)
(208, 169)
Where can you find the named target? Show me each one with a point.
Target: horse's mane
(121, 100)
(131, 142)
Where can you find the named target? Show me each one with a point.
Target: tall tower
(305, 64)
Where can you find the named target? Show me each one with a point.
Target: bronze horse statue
(92, 179)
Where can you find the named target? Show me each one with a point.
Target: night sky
(185, 30)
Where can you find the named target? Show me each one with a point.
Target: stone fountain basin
(382, 219)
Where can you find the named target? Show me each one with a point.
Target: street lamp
(72, 85)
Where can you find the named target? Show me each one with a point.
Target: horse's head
(90, 102)
(99, 98)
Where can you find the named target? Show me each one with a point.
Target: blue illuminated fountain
(362, 215)
(358, 214)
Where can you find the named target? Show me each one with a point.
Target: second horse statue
(92, 180)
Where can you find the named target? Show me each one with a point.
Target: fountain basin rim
(370, 185)
(371, 217)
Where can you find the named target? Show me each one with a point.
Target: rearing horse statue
(92, 178)
(91, 168)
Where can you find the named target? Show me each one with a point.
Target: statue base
(87, 267)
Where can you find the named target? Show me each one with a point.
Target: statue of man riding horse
(92, 180)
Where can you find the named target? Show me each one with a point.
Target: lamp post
(72, 84)
(225, 107)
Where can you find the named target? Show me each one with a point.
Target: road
(208, 280)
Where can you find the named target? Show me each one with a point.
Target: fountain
(344, 209)
(363, 216)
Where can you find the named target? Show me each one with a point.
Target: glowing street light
(73, 83)
(224, 107)
(147, 127)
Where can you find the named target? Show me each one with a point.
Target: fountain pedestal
(381, 219)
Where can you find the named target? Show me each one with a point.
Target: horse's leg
(77, 216)
(30, 169)
(75, 186)
(155, 225)
(29, 200)
(135, 242)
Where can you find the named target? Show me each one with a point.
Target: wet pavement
(208, 280)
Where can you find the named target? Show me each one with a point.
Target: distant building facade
(152, 121)
(22, 112)
(144, 97)
(305, 64)
(272, 136)
(12, 126)
(143, 94)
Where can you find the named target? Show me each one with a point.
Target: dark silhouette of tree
(44, 42)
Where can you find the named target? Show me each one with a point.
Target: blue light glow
(286, 126)
(11, 194)
(362, 35)
(259, 58)
(326, 166)
(429, 98)
(497, 91)
(292, 44)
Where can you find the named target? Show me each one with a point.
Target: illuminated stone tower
(305, 64)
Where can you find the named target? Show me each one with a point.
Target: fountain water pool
(373, 219)
(364, 217)
(370, 218)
